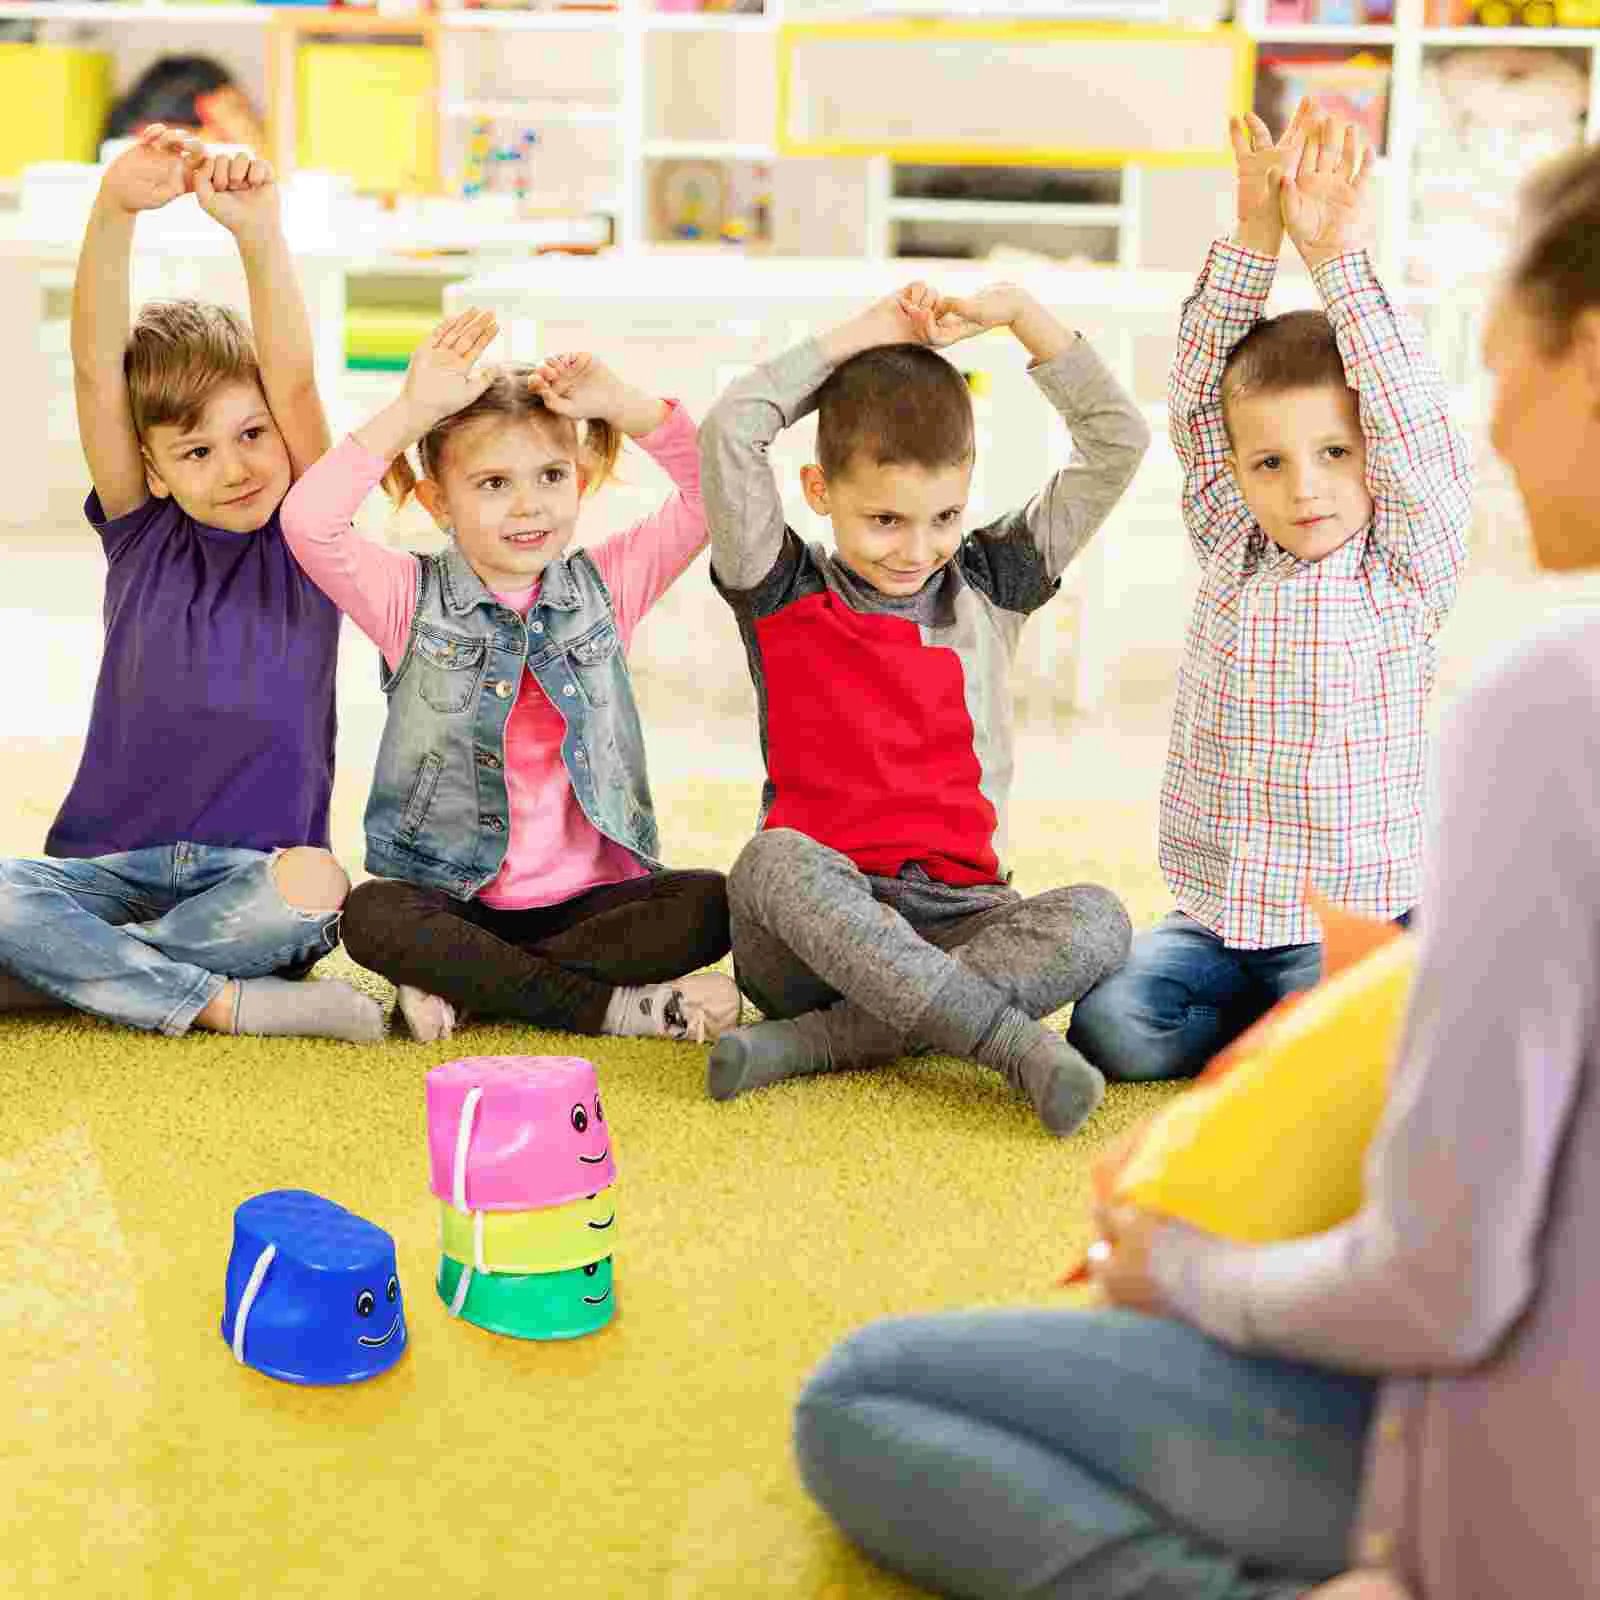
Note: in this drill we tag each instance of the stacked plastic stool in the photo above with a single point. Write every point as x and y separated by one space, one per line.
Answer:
522 1164
312 1293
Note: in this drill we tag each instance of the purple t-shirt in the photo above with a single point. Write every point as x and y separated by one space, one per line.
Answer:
213 716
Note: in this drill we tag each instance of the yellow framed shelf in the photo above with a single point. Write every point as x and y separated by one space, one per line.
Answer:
853 89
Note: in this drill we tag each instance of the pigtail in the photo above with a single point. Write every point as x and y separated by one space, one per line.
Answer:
399 480
599 447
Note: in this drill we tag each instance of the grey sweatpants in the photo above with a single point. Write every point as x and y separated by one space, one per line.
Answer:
907 963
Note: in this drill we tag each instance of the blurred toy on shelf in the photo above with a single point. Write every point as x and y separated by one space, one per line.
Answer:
1353 87
1486 117
690 199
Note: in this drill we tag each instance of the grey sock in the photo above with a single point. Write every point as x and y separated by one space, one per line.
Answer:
1062 1087
767 1052
319 1009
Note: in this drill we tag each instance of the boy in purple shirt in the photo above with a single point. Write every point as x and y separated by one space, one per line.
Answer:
190 863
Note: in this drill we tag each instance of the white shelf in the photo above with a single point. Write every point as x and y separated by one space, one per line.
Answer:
706 150
117 11
533 21
708 22
1521 38
563 111
1063 214
1318 33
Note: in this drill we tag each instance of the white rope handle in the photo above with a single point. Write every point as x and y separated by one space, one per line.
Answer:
462 1285
477 1242
469 1114
248 1299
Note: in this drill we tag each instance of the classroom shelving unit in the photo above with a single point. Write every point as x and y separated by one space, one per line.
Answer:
617 95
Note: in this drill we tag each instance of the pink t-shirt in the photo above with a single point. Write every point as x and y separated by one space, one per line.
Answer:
553 851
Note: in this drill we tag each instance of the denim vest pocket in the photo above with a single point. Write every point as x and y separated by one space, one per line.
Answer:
427 780
591 658
448 667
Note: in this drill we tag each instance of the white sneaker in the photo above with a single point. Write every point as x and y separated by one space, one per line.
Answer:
429 1017
707 1006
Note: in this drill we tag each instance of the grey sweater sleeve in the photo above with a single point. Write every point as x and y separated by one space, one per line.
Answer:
1444 1255
744 509
1109 440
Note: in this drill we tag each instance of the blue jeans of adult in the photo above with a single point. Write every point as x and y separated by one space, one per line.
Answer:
1103 1455
149 938
1181 997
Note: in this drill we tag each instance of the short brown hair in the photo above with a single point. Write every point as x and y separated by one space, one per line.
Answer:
897 405
1555 266
1294 351
510 399
178 355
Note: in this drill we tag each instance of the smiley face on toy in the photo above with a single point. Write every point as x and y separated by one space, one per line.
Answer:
600 1213
581 1125
593 1271
367 1303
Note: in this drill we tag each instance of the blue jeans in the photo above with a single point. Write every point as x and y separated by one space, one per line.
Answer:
149 937
1046 1454
1182 996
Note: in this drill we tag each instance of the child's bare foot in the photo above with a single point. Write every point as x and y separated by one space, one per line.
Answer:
700 1007
1370 1585
428 1017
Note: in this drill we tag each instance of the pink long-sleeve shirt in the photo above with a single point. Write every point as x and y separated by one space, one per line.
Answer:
553 851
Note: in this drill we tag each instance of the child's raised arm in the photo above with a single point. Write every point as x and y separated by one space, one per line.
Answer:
241 193
1109 434
743 508
376 587
143 178
1228 301
640 563
1419 467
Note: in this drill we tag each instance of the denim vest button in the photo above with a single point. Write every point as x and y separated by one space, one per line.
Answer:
581 759
535 627
487 758
567 689
503 689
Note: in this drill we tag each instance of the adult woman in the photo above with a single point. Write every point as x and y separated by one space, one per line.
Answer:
1126 1453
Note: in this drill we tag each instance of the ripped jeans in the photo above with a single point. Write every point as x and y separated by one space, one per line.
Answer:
149 938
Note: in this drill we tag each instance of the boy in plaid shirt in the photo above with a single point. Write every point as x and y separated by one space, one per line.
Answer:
1326 493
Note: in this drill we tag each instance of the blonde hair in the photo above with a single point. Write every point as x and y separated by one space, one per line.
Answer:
178 355
1556 265
509 399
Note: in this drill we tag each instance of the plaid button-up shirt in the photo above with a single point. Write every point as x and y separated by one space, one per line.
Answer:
1299 750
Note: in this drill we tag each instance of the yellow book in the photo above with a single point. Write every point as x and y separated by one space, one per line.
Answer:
53 104
367 111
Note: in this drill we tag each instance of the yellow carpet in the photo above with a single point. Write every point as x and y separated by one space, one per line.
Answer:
651 1459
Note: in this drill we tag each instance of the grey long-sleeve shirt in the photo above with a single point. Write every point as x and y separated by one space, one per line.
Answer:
1468 1278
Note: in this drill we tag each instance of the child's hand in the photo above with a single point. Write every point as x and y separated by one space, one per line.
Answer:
159 168
1326 207
440 380
580 387
240 192
1260 164
939 320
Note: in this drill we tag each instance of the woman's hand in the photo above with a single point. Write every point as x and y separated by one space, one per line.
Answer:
1119 1260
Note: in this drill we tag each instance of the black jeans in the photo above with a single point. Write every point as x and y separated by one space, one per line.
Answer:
551 965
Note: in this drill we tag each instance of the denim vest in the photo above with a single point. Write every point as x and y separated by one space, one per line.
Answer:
437 813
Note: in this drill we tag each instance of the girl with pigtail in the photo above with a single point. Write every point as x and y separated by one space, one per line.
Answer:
510 824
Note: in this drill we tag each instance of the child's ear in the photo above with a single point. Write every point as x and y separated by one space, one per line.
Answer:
815 486
1586 341
431 498
1233 467
153 479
